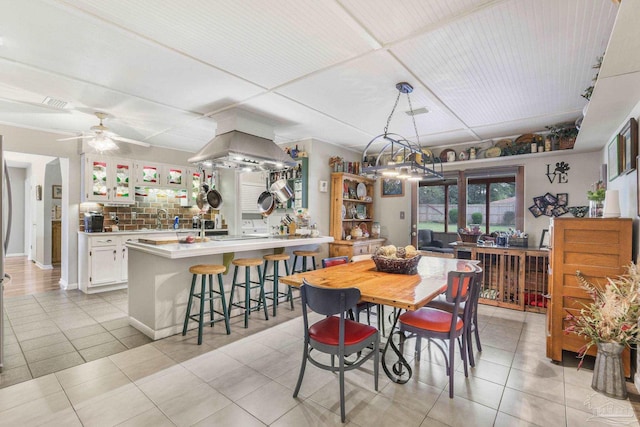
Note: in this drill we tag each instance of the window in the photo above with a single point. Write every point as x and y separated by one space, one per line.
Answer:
493 199
438 206
491 203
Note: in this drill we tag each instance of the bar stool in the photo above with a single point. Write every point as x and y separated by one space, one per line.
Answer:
276 294
206 270
247 263
304 255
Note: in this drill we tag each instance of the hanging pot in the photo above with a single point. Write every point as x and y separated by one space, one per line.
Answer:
281 190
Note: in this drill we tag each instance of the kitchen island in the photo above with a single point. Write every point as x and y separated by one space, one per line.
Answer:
159 277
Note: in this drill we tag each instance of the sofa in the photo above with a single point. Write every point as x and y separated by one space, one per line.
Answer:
428 242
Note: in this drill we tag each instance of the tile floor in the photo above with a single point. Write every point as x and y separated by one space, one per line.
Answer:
247 379
55 330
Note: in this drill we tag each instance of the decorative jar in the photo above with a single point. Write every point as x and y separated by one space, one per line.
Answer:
596 208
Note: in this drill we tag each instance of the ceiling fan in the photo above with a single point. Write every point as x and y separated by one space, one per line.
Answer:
102 139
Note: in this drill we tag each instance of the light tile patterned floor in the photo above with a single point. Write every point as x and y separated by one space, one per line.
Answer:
55 330
247 379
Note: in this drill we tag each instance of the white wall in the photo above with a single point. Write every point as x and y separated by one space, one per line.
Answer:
17 239
584 171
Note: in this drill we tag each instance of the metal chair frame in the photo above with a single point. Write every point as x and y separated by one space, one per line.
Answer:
331 302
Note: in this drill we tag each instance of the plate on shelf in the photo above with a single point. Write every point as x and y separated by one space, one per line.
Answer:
493 152
344 212
361 190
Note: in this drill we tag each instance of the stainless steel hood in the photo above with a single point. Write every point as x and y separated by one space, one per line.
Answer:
237 149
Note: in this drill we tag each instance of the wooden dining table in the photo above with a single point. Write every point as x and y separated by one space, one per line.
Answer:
402 291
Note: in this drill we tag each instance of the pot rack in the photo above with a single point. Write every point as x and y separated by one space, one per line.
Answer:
406 159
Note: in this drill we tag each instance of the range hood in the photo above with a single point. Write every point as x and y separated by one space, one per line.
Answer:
240 150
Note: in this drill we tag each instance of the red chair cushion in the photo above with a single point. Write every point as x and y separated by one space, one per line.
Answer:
326 331
429 319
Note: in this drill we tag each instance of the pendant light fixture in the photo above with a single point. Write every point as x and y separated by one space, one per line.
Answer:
400 157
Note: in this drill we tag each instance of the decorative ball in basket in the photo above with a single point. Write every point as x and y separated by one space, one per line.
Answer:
468 238
390 259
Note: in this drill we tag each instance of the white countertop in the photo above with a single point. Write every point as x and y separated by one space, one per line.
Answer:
212 247
150 231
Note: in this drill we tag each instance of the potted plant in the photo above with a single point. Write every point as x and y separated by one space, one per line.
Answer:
611 323
596 199
564 135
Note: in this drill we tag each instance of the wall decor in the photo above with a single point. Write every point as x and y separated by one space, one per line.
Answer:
390 187
544 239
614 153
550 205
559 173
56 191
628 138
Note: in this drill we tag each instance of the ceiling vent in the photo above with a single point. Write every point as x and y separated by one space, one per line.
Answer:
417 112
55 103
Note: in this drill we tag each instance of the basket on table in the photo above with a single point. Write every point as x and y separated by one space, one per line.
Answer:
397 265
468 238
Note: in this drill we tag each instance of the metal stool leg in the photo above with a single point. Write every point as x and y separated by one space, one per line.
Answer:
262 295
276 293
233 288
289 292
247 296
186 318
211 299
313 258
304 263
295 262
225 312
203 288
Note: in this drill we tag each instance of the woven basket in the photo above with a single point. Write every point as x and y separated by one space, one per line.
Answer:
469 238
397 265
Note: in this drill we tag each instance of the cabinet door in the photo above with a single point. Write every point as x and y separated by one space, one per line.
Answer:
361 249
175 177
121 175
124 258
96 184
148 174
105 265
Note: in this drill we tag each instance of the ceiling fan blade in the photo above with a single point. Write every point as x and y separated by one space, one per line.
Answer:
131 141
76 137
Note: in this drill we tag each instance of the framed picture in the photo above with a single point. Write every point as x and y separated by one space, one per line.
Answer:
56 191
563 199
535 210
628 138
544 239
540 202
550 199
613 158
391 187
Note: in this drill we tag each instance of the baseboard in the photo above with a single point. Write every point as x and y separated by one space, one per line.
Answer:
67 286
153 334
14 255
43 267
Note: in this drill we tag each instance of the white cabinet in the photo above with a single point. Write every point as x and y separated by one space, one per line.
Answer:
103 261
149 174
107 180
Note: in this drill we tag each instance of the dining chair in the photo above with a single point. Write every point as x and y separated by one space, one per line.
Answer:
336 260
336 335
469 313
434 324
367 306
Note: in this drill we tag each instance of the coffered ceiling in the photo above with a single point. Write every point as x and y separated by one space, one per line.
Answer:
167 72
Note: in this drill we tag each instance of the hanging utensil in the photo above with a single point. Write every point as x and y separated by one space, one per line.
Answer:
214 197
201 199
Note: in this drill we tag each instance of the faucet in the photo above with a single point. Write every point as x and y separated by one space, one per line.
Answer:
158 219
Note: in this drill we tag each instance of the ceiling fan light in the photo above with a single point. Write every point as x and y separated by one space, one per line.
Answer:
102 143
390 172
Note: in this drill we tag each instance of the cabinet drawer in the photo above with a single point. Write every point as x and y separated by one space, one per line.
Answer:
360 249
374 247
103 241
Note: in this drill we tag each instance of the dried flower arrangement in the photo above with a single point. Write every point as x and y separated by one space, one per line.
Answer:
613 314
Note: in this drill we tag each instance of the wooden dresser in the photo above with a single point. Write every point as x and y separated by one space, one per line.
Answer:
597 247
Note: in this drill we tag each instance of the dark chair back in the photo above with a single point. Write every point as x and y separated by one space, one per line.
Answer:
328 301
425 237
336 260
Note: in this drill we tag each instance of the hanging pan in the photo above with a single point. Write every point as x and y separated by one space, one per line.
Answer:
201 199
266 203
214 198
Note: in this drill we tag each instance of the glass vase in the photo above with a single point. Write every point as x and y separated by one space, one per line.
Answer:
596 208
